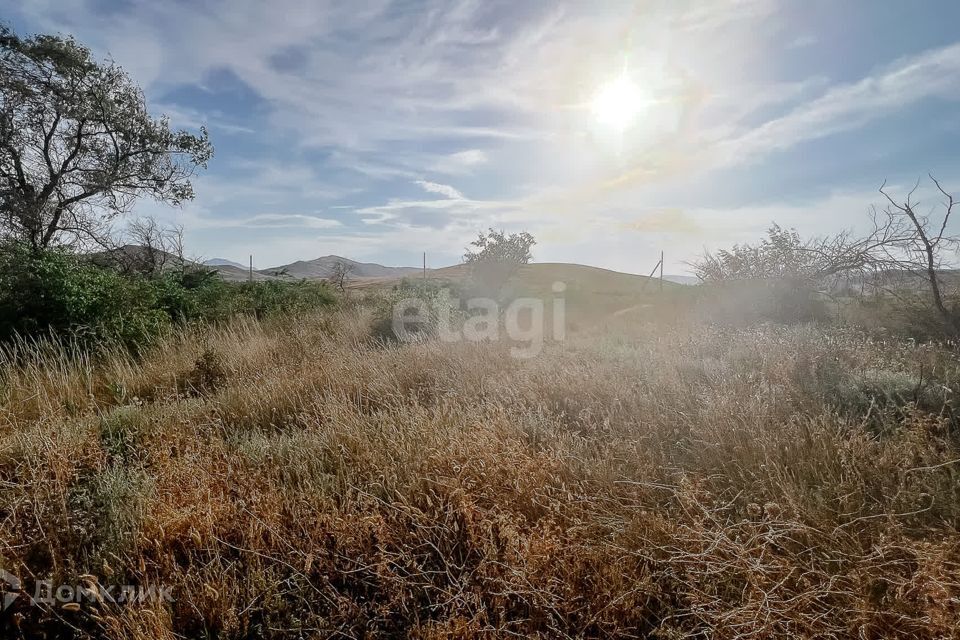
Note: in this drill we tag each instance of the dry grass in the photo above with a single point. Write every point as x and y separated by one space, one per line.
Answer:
303 480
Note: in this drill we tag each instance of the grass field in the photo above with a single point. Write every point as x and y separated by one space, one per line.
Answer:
592 296
301 479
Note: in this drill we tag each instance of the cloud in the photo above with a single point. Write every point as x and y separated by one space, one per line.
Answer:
664 221
351 104
848 106
281 221
185 117
449 213
442 189
200 218
718 14
460 162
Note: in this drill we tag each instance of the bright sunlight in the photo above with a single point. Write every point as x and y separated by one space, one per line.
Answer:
618 103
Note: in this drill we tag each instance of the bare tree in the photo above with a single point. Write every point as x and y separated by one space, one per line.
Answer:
903 251
340 274
918 245
151 248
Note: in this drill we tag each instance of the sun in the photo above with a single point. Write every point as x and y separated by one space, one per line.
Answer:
617 103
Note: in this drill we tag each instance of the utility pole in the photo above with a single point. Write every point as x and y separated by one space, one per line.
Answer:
251 267
661 271
424 266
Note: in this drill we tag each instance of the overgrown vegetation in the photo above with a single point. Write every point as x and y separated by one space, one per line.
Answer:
905 263
730 461
292 479
56 293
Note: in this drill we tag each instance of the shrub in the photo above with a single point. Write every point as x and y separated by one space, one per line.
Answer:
264 299
208 373
741 303
56 292
52 291
437 302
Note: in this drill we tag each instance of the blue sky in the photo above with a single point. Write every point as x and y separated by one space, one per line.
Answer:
381 129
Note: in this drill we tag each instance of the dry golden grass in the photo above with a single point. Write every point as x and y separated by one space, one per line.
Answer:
301 479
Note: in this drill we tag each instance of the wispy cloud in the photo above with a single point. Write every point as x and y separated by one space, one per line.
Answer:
442 189
335 111
184 117
280 221
461 162
847 106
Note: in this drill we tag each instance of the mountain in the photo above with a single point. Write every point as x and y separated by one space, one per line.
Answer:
223 262
323 268
231 273
133 257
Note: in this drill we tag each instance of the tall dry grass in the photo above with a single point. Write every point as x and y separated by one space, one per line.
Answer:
302 479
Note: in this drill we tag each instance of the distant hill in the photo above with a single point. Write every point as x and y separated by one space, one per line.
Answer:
223 262
321 268
540 276
591 293
132 257
231 273
603 288
138 258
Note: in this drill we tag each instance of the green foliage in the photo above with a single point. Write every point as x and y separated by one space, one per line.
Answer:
497 246
424 305
781 255
269 298
56 292
78 144
494 258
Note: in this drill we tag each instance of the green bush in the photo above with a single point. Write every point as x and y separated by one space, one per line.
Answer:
436 300
269 298
54 292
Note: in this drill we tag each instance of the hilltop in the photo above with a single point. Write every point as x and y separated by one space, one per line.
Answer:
590 290
323 267
223 262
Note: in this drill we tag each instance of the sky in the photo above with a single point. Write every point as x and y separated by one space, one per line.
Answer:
382 129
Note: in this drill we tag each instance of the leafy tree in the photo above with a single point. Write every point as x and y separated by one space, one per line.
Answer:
77 144
782 254
494 257
783 277
497 246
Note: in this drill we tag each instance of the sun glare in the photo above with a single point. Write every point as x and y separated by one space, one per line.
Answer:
618 103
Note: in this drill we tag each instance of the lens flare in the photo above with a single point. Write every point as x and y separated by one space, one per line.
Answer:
618 103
